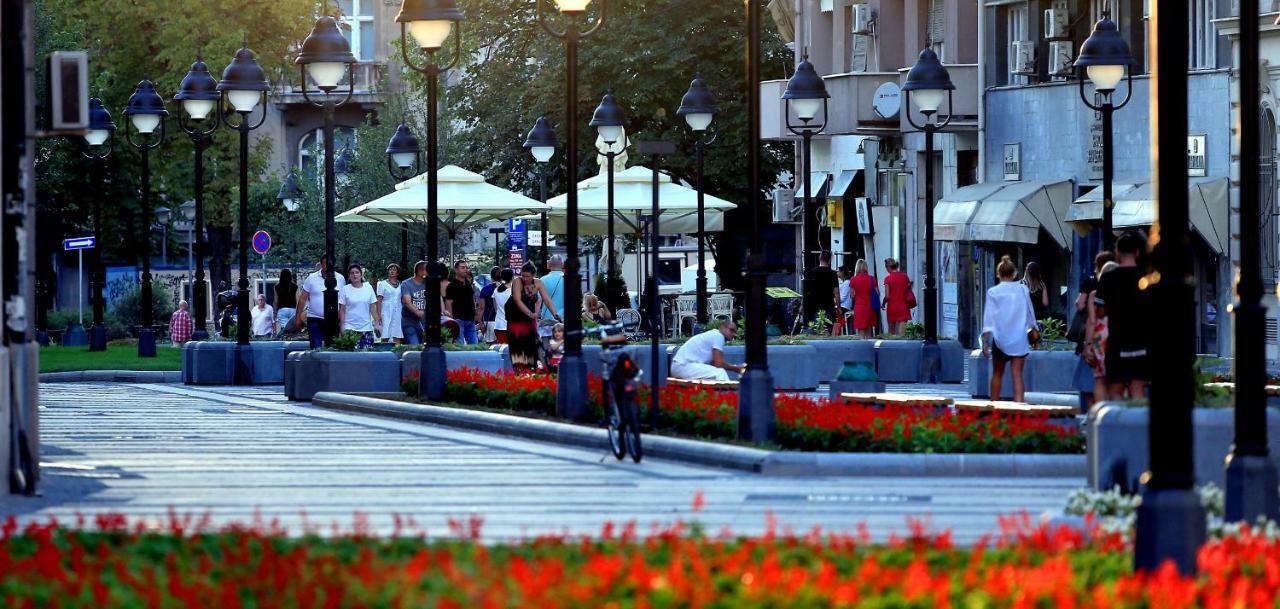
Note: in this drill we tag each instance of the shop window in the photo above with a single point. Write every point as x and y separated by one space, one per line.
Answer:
1203 46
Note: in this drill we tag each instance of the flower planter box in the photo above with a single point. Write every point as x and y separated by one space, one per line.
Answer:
1044 372
310 372
834 353
1118 444
494 360
899 361
214 363
792 366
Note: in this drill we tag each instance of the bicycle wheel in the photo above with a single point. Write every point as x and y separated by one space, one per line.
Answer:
633 432
617 432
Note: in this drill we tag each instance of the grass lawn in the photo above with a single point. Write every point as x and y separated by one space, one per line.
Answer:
116 357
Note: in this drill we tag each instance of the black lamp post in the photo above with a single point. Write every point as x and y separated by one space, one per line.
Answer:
431 22
928 85
1104 59
290 197
326 57
571 388
403 152
1251 474
100 141
199 96
699 109
245 87
542 143
806 94
146 113
609 119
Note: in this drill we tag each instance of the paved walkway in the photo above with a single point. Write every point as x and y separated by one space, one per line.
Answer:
141 449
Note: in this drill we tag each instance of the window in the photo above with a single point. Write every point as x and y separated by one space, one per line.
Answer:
357 26
1203 47
311 149
1016 29
936 29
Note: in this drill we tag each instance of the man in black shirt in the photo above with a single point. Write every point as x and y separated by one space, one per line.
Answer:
822 290
460 303
1126 308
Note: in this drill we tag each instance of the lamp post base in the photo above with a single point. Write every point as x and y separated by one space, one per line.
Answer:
571 388
434 373
756 419
244 365
930 362
98 338
1171 526
75 336
1251 489
200 335
147 342
42 338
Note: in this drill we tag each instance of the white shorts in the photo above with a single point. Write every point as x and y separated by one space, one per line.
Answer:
690 371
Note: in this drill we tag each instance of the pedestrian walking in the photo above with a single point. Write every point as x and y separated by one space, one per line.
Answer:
1126 308
181 326
899 297
413 305
358 308
554 283
861 287
1035 286
529 296
389 306
286 292
1088 378
460 303
311 302
822 291
263 317
501 295
1096 345
844 315
1007 319
486 312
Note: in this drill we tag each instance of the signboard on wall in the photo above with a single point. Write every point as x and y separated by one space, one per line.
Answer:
864 215
1012 162
1095 141
1197 157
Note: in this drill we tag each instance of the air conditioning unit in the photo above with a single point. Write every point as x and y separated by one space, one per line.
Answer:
862 19
1024 57
1061 57
1056 24
784 206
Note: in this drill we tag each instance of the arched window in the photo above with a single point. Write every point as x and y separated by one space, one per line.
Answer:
311 149
1269 243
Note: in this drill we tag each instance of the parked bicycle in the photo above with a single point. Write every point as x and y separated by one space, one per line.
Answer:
619 381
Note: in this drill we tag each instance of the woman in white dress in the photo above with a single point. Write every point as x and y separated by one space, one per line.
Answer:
389 292
500 297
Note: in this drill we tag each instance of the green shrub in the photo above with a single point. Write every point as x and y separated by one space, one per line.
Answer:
128 309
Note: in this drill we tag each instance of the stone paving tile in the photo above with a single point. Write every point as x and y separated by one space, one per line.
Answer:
245 452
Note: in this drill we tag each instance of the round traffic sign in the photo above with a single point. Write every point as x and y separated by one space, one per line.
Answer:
261 242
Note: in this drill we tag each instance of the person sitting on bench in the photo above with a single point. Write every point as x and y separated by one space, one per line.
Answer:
702 357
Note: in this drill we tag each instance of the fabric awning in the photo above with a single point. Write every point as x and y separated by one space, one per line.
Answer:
818 184
1012 212
1209 210
840 187
1087 209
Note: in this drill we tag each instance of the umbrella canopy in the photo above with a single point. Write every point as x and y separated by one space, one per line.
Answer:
633 198
465 199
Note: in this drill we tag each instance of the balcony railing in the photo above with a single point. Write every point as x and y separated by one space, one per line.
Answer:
367 77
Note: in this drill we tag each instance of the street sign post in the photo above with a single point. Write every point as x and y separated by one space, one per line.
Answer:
517 241
262 245
79 245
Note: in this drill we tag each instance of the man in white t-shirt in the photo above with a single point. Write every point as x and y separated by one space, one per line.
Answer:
702 357
311 303
263 315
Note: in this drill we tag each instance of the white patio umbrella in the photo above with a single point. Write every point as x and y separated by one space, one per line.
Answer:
465 199
633 198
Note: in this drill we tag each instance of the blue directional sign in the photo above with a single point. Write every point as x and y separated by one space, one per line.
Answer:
517 240
79 243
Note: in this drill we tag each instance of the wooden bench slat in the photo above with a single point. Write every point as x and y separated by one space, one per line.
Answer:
895 399
703 383
1015 408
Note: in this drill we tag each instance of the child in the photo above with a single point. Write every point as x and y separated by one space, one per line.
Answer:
555 347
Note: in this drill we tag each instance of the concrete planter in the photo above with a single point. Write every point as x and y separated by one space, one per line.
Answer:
899 361
792 366
834 353
310 372
1118 444
213 363
494 361
641 355
1044 372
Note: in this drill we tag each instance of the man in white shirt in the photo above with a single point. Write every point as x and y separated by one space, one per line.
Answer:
264 322
702 357
311 302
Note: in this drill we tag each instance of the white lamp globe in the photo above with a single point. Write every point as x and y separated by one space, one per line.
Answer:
543 154
96 137
927 101
198 109
326 74
431 34
244 101
404 160
806 109
1105 78
145 123
611 133
572 6
699 121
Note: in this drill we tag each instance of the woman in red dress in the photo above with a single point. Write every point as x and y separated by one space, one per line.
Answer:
864 315
898 298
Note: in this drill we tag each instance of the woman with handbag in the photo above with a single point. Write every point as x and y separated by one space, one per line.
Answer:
1083 324
862 285
899 299
1008 328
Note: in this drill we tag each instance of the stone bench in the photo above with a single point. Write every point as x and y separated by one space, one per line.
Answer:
703 384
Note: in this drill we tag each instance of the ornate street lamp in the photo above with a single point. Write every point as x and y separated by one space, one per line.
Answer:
1104 59
430 22
571 387
188 211
326 57
542 144
699 109
146 113
100 145
245 87
199 96
928 85
290 197
806 95
163 216
610 120
404 152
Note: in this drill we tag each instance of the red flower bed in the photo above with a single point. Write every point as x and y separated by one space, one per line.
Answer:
1027 566
803 423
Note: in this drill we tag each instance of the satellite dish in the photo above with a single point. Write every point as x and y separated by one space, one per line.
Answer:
887 100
